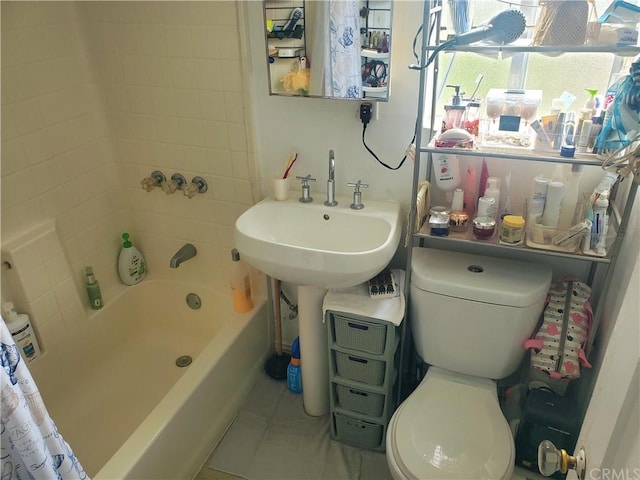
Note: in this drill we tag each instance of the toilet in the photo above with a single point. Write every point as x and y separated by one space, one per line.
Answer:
469 316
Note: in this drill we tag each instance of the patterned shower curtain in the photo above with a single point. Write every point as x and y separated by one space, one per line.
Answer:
343 73
31 447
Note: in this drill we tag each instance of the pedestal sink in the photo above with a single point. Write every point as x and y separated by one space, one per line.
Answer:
318 247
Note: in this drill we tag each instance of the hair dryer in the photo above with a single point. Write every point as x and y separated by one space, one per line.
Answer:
504 27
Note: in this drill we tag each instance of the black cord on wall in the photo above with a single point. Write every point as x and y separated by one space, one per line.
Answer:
365 117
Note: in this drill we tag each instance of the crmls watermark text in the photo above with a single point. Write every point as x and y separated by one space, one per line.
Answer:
613 474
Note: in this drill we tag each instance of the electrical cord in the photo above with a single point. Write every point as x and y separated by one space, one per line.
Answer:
617 160
364 129
366 117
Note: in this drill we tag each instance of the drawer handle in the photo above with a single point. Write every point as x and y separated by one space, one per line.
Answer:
357 425
357 326
357 392
359 360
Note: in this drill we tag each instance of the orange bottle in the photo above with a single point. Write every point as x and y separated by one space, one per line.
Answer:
240 284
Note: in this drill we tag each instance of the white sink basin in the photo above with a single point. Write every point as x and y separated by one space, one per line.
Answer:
311 244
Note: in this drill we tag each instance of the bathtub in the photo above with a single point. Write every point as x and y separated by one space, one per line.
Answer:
120 401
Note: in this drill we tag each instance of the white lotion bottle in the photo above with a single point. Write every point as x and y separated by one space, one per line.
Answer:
131 265
570 200
551 214
447 173
22 332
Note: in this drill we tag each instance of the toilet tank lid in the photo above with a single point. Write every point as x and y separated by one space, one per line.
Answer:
478 278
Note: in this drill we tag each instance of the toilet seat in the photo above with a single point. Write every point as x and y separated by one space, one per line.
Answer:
451 427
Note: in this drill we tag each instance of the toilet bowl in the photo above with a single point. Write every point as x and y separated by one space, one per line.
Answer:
450 427
469 317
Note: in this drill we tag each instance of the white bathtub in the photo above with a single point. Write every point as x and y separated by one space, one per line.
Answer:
121 402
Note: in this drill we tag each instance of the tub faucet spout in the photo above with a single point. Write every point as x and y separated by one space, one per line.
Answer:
331 182
185 253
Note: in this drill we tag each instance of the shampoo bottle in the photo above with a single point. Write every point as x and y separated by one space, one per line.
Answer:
93 290
22 332
131 265
240 284
294 375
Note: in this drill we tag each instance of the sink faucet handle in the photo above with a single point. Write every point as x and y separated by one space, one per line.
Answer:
306 197
357 194
306 180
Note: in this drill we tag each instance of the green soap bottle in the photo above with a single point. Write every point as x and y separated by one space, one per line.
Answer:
131 265
93 290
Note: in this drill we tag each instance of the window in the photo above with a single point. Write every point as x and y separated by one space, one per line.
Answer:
571 72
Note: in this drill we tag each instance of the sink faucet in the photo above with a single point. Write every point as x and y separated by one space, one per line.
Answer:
185 253
331 182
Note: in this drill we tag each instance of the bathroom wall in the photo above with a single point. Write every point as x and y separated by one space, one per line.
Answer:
57 162
95 96
173 89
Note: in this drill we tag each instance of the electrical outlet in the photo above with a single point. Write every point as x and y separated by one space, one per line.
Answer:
366 112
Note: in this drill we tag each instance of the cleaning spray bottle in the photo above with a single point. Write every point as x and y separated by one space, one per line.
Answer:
240 284
294 375
131 265
20 327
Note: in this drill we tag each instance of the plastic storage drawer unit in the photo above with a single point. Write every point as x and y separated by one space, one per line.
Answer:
360 335
360 369
359 400
358 432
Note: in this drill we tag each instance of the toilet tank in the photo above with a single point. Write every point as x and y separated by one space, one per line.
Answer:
470 313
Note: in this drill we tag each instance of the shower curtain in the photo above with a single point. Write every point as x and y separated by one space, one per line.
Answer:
343 73
30 447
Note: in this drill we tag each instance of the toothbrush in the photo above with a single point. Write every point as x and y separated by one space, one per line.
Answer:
286 172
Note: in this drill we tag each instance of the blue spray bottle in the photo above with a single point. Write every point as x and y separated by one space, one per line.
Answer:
294 375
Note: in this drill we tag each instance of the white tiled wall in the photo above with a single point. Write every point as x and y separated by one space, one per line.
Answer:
174 95
97 95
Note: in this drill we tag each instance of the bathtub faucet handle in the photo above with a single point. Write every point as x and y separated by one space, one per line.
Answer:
197 185
176 183
156 179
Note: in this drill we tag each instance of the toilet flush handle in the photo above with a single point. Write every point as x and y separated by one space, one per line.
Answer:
552 460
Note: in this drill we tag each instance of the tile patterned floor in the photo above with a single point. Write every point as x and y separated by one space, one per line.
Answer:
263 426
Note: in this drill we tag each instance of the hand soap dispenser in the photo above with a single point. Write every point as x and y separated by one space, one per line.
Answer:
454 111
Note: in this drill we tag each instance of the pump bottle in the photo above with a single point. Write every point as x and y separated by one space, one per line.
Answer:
131 265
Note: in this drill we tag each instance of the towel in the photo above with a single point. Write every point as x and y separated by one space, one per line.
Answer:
423 200
356 300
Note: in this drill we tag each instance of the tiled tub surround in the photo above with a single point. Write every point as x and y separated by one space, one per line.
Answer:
95 95
118 397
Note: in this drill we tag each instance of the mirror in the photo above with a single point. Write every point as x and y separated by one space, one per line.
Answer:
329 48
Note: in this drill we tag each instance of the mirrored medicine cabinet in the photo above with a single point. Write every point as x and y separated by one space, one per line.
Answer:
329 49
